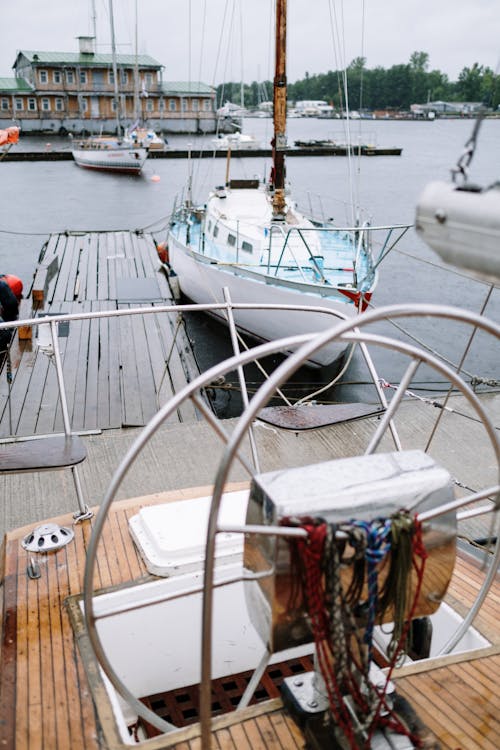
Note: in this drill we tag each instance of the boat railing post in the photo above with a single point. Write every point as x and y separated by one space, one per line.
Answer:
241 374
316 265
83 512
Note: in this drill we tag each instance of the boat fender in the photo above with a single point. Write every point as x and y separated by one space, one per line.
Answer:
15 284
162 250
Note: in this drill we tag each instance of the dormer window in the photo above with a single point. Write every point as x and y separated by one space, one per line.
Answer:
44 76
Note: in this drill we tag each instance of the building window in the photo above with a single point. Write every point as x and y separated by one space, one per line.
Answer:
124 76
149 79
246 246
172 105
111 77
18 103
70 76
206 105
44 76
196 105
83 76
32 104
5 103
84 105
184 105
231 240
149 105
56 76
45 104
161 105
59 104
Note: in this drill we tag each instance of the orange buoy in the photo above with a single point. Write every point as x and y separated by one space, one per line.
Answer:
162 249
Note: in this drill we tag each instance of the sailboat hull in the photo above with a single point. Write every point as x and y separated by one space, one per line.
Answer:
204 282
125 160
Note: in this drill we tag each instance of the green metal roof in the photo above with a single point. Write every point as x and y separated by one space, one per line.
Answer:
186 87
77 58
15 85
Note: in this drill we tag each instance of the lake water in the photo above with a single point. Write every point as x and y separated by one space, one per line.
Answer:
43 197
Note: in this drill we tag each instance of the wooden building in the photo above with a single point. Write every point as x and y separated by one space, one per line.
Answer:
61 92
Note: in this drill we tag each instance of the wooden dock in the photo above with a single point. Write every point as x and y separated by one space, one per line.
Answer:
117 371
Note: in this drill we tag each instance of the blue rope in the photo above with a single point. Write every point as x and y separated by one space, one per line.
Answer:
378 544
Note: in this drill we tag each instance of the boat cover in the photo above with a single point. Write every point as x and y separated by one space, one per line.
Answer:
9 135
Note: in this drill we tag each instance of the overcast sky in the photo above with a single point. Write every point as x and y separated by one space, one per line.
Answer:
455 33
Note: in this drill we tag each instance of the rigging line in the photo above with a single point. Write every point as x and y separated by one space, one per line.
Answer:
202 46
219 50
335 380
190 34
437 404
346 122
421 343
441 268
459 368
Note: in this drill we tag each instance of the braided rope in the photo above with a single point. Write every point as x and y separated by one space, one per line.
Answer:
343 651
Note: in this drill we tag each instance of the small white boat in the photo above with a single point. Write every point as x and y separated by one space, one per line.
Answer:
110 154
237 142
114 153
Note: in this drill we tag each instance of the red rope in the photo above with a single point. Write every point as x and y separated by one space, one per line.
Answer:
308 556
311 554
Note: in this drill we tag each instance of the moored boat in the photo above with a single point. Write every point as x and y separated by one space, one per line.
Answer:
251 239
110 154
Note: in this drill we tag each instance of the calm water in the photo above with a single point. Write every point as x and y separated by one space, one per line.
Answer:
43 197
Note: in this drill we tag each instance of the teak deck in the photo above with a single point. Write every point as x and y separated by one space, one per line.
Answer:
45 689
116 370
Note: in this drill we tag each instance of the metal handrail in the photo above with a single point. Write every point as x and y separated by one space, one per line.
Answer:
262 397
347 331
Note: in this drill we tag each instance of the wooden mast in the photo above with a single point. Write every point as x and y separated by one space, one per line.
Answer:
279 113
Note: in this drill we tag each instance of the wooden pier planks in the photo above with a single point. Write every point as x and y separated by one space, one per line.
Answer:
115 370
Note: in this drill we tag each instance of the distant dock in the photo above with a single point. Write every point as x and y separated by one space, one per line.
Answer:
207 153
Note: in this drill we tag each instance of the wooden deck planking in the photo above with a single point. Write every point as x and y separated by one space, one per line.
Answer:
103 278
105 387
458 701
66 262
71 366
33 398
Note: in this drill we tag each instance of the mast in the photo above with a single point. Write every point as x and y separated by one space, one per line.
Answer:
116 96
136 67
279 113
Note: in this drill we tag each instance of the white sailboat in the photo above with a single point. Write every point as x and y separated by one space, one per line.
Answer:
251 238
111 153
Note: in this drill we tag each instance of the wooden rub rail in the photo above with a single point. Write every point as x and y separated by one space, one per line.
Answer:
116 370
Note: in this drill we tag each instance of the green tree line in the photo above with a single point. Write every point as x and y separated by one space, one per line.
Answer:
396 87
